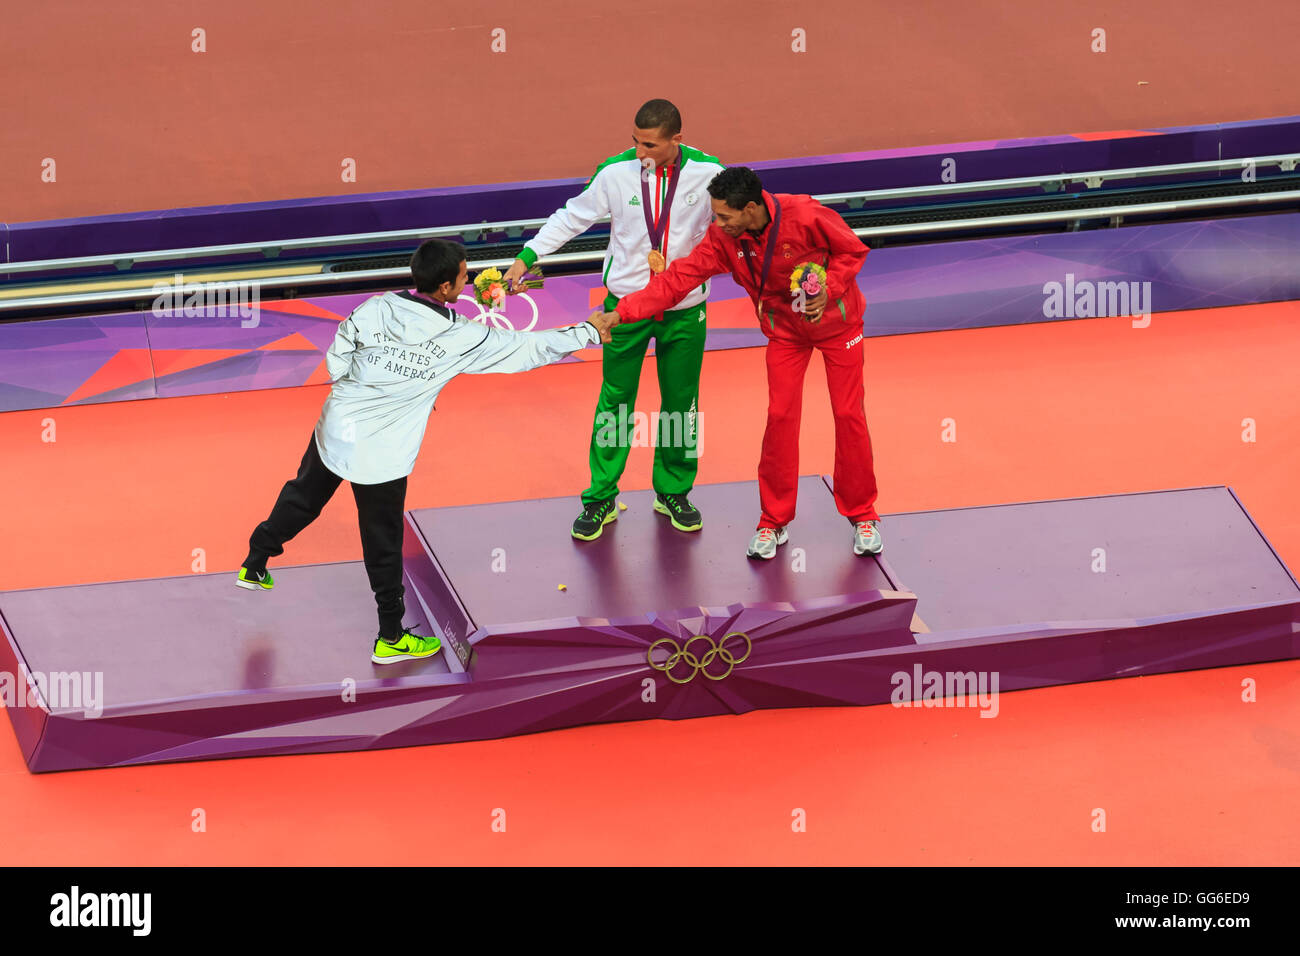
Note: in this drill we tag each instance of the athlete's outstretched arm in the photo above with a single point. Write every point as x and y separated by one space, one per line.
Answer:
668 287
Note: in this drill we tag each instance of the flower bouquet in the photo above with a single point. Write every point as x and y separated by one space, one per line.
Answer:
490 286
807 281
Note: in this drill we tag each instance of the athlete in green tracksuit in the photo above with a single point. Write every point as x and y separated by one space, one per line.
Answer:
656 195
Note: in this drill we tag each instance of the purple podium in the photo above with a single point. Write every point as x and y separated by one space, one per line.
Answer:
540 631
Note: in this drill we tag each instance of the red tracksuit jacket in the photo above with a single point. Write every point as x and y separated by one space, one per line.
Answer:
809 232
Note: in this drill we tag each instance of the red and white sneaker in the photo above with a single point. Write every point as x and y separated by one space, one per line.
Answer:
867 539
765 541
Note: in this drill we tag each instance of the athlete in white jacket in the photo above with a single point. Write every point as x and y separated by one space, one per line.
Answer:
389 360
656 197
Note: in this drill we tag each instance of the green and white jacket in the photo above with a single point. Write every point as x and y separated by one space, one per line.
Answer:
615 191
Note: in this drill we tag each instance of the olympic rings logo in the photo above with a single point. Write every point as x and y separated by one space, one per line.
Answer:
498 318
699 665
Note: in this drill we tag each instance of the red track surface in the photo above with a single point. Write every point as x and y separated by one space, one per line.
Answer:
1187 772
414 94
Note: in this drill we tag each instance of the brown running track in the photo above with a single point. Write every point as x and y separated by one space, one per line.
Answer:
413 92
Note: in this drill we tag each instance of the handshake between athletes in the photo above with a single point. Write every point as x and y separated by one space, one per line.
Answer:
604 322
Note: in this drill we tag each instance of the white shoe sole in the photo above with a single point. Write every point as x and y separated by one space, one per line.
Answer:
401 657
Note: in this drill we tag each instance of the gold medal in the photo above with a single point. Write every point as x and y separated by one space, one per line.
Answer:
657 261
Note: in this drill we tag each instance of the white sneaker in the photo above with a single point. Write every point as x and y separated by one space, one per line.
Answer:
764 543
867 539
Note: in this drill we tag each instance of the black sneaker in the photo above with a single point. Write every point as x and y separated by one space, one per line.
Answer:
588 525
684 515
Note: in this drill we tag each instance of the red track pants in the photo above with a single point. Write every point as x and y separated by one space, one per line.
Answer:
788 351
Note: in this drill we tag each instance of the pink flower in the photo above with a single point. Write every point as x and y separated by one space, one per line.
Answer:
811 284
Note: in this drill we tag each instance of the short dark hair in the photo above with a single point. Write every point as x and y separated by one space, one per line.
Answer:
737 186
435 262
661 115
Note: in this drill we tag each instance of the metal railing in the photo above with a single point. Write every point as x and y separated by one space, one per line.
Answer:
1286 162
1095 212
273 248
268 250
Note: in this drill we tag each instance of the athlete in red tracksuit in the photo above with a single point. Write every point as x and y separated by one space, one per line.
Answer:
741 241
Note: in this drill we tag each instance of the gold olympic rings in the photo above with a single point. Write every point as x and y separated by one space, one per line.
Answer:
683 655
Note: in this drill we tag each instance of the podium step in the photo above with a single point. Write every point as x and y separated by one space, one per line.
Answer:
651 623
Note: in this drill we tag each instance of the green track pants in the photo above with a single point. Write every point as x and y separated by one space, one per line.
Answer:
679 353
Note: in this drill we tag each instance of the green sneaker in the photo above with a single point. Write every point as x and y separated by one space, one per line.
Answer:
254 581
588 525
684 515
408 647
